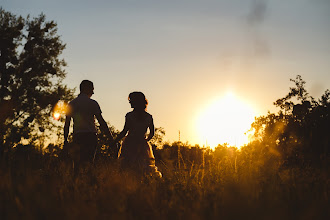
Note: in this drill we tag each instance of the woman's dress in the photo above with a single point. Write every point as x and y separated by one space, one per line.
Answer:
136 153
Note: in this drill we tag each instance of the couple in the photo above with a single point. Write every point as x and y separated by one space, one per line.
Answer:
135 154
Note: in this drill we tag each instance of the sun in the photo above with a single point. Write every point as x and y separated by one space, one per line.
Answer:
226 120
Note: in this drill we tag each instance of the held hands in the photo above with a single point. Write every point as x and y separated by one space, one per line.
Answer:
112 143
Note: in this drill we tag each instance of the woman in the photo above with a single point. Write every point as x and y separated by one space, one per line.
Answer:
136 153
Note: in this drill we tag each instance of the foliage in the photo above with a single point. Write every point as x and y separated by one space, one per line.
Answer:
299 132
158 138
31 73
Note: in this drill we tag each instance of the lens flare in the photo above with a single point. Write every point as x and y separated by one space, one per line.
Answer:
56 116
59 109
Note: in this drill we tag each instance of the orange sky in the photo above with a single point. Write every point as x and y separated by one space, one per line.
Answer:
185 54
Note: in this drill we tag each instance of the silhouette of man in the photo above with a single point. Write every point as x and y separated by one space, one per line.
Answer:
83 110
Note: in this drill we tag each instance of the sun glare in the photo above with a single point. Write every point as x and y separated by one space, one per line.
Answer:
56 116
59 109
226 120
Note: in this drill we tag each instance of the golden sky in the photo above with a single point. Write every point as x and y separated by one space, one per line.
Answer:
187 55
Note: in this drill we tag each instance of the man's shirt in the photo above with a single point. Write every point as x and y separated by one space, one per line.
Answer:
83 109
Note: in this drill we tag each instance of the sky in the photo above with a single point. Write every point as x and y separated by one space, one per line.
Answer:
187 54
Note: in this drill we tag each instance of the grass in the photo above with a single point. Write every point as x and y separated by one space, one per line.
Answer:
43 187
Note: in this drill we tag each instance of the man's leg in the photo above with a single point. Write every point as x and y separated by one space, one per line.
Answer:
88 147
85 143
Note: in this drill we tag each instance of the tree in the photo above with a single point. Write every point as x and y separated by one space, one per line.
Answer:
31 75
300 131
157 139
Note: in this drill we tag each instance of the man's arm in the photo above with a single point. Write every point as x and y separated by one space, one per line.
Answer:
104 127
66 128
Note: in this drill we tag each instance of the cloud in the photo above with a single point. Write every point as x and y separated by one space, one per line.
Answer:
257 13
254 20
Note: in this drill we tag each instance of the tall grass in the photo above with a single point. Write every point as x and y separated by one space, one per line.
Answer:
230 186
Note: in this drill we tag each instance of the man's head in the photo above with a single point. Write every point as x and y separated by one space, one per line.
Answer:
87 87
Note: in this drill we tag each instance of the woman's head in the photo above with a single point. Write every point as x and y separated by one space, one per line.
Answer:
138 100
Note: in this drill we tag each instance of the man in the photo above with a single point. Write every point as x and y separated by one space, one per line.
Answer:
83 110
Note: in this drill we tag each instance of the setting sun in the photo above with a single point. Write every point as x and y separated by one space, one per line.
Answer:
226 120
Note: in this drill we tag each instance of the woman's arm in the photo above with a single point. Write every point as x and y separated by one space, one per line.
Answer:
152 130
123 132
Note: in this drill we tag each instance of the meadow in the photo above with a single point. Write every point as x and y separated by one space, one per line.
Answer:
283 173
197 183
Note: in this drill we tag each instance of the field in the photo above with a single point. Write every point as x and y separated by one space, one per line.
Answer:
283 173
197 183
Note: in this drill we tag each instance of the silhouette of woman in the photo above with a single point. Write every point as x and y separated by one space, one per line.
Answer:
136 153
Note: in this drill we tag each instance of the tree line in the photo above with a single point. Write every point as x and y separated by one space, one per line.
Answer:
32 71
